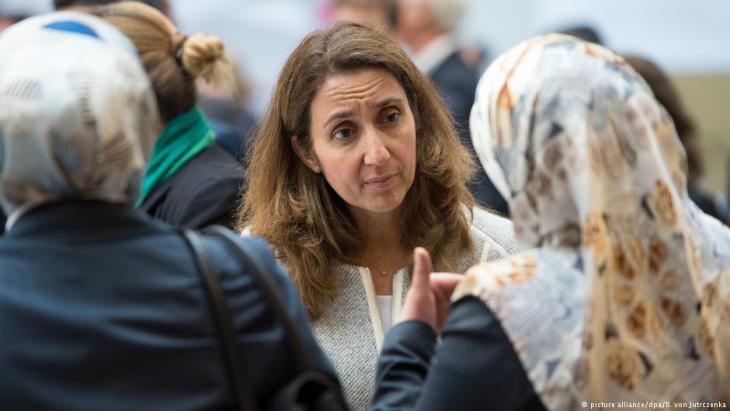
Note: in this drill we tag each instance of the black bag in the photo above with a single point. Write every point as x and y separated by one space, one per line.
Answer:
310 389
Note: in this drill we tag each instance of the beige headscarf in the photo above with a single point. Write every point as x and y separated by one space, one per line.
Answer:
78 115
624 293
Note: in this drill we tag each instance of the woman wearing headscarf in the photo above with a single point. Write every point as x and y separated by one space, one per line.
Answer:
623 293
190 180
101 307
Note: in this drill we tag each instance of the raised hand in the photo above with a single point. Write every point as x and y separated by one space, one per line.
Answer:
428 299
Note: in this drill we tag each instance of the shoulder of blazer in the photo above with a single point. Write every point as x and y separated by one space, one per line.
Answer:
495 229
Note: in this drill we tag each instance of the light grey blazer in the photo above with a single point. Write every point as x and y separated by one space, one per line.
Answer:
350 331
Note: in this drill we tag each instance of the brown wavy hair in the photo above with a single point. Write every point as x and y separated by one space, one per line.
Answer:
296 210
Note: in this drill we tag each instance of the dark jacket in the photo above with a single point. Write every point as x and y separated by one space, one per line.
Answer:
229 139
101 308
204 191
457 83
234 126
473 368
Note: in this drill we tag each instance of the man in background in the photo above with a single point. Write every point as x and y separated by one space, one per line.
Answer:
426 28
379 14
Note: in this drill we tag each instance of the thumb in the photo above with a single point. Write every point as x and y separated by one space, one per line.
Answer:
421 269
419 304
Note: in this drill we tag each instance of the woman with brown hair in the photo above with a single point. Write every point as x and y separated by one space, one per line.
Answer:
356 163
190 181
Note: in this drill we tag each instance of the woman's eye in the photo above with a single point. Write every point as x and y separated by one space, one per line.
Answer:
342 133
392 117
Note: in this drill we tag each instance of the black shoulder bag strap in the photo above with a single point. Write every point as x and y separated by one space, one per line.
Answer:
311 389
242 390
269 288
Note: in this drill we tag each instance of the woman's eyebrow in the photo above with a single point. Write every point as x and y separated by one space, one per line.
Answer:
348 113
387 102
338 116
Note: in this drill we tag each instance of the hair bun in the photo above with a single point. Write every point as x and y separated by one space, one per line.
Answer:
203 56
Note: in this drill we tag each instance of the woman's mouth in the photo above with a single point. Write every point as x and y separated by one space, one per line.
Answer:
380 182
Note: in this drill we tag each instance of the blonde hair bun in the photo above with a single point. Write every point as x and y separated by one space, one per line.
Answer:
203 56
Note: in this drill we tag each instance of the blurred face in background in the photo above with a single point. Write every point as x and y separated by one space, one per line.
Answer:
4 23
414 16
367 15
8 19
363 139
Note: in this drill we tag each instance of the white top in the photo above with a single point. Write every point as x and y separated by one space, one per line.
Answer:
385 304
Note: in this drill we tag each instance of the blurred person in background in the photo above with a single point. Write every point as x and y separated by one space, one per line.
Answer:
226 107
667 95
13 11
475 56
378 14
426 27
102 307
623 290
190 180
84 5
356 162
584 32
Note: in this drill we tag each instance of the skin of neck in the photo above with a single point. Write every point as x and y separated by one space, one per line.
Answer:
380 249
380 239
378 231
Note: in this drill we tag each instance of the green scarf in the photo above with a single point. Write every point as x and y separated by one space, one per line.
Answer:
183 137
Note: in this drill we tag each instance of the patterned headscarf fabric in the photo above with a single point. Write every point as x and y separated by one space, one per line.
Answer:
623 293
78 116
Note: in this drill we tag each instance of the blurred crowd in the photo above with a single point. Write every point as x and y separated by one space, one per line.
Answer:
411 223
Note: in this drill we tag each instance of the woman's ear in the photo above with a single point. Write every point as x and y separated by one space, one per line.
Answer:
308 158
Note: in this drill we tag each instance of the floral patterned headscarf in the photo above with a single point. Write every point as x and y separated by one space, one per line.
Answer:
78 116
624 291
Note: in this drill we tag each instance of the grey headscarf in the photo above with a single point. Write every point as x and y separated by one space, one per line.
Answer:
78 116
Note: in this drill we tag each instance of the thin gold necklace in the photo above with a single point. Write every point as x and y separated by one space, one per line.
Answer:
374 269
381 273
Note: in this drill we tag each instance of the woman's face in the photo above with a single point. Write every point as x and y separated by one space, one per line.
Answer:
363 139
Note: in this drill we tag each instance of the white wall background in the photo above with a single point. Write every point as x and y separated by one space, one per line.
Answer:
683 36
259 33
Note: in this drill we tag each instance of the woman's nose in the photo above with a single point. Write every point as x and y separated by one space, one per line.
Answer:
376 153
